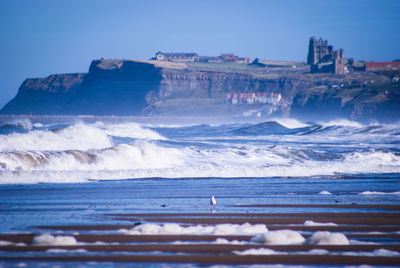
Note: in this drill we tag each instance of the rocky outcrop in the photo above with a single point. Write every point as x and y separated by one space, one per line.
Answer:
378 102
114 88
44 95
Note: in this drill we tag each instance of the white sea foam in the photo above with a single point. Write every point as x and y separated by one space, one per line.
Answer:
316 251
376 253
290 123
259 251
223 241
78 136
131 130
378 193
176 229
358 242
312 223
143 159
83 152
342 123
24 123
140 155
280 237
325 192
328 238
58 250
50 240
5 243
8 243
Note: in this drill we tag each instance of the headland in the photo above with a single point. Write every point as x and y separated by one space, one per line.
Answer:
327 86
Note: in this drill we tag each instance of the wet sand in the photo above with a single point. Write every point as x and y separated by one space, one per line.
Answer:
378 230
370 206
224 259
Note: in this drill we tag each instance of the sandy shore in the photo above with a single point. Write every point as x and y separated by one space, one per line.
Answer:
370 206
282 219
225 259
195 248
366 226
123 238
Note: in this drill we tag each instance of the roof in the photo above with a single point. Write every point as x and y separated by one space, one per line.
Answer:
382 64
179 55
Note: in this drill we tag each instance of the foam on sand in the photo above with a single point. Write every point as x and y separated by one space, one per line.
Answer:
280 237
8 243
328 238
176 229
378 193
258 251
50 240
325 192
223 241
316 251
58 250
312 223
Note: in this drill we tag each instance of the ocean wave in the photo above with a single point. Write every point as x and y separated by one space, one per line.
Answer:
341 123
145 159
334 129
272 128
140 155
16 126
129 130
104 151
79 136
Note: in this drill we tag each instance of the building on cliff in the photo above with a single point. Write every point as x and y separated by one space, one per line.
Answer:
193 57
225 58
323 59
177 57
382 66
253 98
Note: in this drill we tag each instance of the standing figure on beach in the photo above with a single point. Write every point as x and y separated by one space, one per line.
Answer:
213 203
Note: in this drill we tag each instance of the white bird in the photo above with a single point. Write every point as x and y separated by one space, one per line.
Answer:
213 202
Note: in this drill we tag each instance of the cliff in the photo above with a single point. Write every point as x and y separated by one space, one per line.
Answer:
373 102
44 95
128 87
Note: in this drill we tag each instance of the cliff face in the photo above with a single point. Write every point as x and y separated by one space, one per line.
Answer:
114 88
44 95
207 84
124 87
381 103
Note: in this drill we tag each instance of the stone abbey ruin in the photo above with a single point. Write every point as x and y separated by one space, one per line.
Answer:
323 59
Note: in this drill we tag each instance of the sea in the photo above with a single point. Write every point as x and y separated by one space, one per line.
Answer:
73 170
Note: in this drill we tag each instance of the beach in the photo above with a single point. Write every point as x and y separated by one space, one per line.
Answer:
114 193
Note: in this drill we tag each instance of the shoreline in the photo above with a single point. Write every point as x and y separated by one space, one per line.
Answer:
224 259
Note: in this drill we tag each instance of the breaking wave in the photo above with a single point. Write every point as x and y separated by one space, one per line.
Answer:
77 136
100 151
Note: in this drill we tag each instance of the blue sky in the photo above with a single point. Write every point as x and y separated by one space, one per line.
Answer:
43 37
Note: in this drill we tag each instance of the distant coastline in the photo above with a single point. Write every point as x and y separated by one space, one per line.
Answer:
327 86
